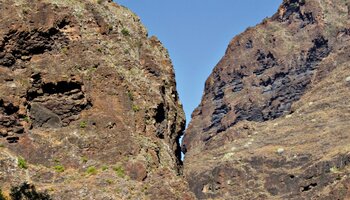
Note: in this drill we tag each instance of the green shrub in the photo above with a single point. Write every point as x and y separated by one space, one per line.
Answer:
104 168
22 163
59 168
119 171
125 32
26 118
83 124
27 192
135 108
64 50
91 170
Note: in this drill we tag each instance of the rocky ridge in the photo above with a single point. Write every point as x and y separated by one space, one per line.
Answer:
88 103
274 119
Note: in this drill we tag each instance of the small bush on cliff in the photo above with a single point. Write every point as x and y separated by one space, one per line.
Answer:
119 171
135 108
125 32
83 124
64 50
26 118
91 170
22 163
26 191
59 168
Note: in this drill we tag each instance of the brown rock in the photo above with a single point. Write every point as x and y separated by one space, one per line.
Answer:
280 85
136 170
83 89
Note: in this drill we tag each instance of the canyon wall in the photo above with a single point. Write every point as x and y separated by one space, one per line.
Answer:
88 103
273 122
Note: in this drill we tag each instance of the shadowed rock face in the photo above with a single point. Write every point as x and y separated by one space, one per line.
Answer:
89 101
273 121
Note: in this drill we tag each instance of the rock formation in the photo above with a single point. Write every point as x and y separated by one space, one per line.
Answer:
89 107
88 103
274 119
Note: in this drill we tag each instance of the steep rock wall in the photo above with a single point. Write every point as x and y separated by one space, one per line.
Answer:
88 103
274 119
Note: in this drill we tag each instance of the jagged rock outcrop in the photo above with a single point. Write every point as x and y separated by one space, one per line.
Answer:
274 119
88 103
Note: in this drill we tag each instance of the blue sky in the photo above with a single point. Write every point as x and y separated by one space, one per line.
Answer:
196 33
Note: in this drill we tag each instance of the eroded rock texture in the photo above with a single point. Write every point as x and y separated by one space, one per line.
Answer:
274 119
88 101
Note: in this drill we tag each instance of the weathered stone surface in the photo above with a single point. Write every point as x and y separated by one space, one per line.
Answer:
43 117
136 170
273 121
89 101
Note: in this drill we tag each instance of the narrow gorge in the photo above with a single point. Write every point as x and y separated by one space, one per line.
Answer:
89 107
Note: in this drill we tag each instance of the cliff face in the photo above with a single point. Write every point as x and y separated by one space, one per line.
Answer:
88 103
274 119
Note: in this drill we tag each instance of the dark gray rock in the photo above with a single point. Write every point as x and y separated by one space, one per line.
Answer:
43 117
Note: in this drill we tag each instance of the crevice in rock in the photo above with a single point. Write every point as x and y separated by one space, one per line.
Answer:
160 113
179 151
237 80
10 122
249 44
12 140
265 61
56 104
21 45
308 187
219 92
160 116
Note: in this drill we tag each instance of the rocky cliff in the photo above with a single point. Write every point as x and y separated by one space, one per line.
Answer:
88 103
274 119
